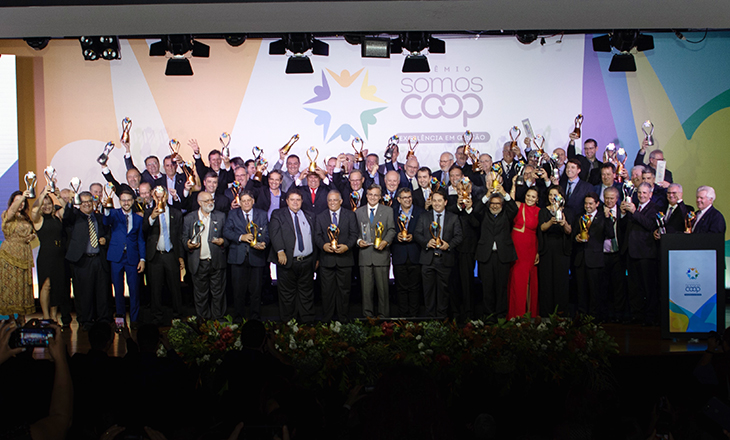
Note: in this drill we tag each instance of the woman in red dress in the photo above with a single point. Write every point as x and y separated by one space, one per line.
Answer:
523 274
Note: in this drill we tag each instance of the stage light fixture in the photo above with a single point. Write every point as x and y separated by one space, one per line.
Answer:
413 44
179 47
623 41
106 47
235 40
375 48
526 37
298 47
38 43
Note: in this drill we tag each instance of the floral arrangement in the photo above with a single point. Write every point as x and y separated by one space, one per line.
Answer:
337 354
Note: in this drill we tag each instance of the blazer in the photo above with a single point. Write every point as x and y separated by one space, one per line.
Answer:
451 233
404 180
418 198
235 226
320 199
469 221
402 251
224 176
639 160
179 188
388 166
349 233
574 204
590 253
369 256
675 223
77 231
283 236
592 176
496 230
711 222
132 241
217 253
262 194
146 176
152 232
638 234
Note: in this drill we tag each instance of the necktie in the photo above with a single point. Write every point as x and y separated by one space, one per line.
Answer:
129 223
372 215
669 213
165 232
93 239
570 189
300 237
438 220
614 240
334 218
314 194
247 219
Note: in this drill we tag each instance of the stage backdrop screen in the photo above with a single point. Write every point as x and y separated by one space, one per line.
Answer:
692 291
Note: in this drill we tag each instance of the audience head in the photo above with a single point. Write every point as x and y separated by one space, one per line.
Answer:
705 197
455 174
445 161
392 180
133 178
247 200
495 202
644 192
292 165
152 163
313 180
507 154
23 205
648 176
241 176
655 156
237 162
439 199
561 156
371 160
572 168
531 196
47 205
331 164
636 173
126 199
554 191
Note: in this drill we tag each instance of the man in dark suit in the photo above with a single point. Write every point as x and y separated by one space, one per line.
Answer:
353 184
639 223
237 187
336 262
709 220
421 195
590 166
445 161
372 173
293 251
164 255
495 251
247 261
174 182
133 180
216 160
509 165
406 254
87 244
126 254
654 157
269 196
588 259
207 257
658 194
407 172
574 188
608 180
394 165
210 186
677 210
151 173
438 253
374 261
614 265
392 180
314 192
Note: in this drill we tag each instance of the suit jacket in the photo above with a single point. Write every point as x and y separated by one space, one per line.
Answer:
451 234
179 188
132 241
283 236
369 256
438 173
235 226
320 199
224 176
146 176
388 166
590 253
77 231
508 175
496 230
418 198
286 180
574 204
407 251
262 194
349 233
119 187
639 160
217 253
675 223
404 180
711 222
618 186
638 234
153 232
469 221
590 175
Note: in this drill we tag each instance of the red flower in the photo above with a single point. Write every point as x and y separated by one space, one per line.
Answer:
560 331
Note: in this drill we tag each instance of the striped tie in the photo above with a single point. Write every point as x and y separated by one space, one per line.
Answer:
93 239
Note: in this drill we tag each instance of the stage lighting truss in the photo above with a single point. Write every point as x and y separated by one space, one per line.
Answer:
623 41
298 48
104 47
415 46
178 49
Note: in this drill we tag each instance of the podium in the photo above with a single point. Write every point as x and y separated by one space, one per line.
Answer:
692 285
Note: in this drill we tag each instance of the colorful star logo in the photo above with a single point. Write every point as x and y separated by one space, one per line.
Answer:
692 273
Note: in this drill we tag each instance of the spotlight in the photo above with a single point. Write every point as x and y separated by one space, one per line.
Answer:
526 37
414 43
623 41
416 64
235 40
38 43
622 62
375 48
106 47
179 46
297 47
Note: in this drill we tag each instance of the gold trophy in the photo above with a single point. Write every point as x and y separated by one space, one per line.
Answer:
412 144
585 224
174 149
189 172
96 203
390 149
50 174
514 134
467 137
287 147
104 157
387 200
621 157
126 128
253 229
75 185
357 145
354 200
30 181
333 232
260 163
313 162
463 191
109 194
225 140
578 123
436 233
161 199
403 223
379 231
649 134
495 173
236 190
689 222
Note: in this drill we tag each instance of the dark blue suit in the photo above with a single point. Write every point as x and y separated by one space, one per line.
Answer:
247 263
406 266
574 203
124 253
711 222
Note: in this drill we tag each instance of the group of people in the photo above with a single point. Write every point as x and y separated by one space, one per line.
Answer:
546 232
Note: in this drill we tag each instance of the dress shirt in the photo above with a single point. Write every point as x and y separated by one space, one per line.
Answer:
306 234
275 202
204 245
439 218
164 216
170 186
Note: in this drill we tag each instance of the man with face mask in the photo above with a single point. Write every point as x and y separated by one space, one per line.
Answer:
206 257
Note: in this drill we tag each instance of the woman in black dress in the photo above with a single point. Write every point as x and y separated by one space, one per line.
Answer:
554 247
46 215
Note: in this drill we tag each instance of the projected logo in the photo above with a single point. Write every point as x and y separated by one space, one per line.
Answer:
692 273
345 105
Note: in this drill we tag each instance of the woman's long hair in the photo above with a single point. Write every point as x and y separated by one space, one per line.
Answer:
23 211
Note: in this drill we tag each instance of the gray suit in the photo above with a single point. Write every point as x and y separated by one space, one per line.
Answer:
286 179
373 263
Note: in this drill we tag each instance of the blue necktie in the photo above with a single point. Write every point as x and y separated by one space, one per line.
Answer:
570 189
165 233
372 215
334 219
300 237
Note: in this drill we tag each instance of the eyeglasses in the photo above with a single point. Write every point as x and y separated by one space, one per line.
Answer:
87 202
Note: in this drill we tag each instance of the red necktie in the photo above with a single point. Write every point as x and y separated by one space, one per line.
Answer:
313 194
